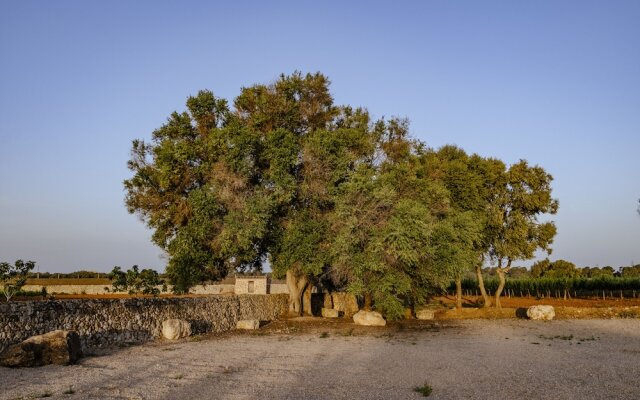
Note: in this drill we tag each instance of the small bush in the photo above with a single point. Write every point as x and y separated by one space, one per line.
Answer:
423 390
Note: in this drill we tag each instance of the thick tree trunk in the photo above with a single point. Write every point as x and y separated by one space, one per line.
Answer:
485 296
459 293
296 284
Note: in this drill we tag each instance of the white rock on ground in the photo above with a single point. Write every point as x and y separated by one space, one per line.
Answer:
330 313
546 313
369 318
425 313
248 324
173 329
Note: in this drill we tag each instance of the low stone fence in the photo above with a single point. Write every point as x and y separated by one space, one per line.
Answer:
111 322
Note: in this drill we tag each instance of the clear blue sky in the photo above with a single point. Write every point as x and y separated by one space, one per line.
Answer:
553 82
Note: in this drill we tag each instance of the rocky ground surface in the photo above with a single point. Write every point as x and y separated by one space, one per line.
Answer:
313 358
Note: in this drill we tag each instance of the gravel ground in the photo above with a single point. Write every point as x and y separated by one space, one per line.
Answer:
475 359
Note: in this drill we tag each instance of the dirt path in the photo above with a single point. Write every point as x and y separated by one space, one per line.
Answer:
476 359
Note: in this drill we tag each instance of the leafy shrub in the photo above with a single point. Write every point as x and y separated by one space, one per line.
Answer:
14 277
135 281
424 390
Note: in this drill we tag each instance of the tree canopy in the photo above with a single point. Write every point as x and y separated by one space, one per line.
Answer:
14 276
326 193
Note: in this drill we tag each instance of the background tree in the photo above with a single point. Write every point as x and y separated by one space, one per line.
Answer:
493 177
595 272
397 239
466 184
14 277
540 268
135 281
630 272
516 232
562 269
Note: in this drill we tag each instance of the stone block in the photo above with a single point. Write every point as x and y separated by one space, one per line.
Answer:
425 314
330 313
174 329
248 324
56 347
369 318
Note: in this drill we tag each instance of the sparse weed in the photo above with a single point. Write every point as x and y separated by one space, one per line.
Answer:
46 393
226 369
561 337
69 391
424 390
627 314
178 376
324 335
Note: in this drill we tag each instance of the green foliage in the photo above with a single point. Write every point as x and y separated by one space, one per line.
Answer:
515 232
596 272
14 277
630 272
555 269
135 281
424 390
322 190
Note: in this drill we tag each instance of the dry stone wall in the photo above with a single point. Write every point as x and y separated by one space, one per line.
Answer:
111 322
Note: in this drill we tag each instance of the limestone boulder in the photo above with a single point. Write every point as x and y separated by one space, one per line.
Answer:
369 318
345 303
248 324
330 313
544 313
56 347
425 314
174 329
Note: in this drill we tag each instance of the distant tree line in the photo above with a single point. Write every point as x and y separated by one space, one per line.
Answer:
566 269
82 274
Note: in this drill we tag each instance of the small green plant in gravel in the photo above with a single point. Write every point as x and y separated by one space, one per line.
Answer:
178 376
424 390
69 391
46 393
324 335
